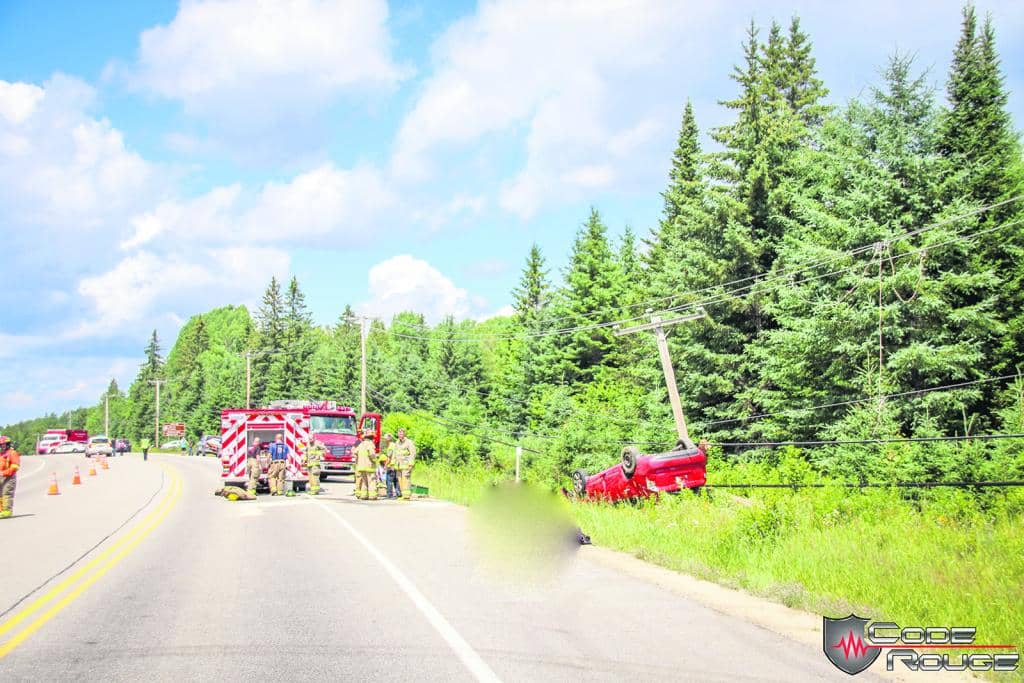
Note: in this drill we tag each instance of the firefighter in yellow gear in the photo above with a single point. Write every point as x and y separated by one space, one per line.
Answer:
314 456
403 459
10 463
365 454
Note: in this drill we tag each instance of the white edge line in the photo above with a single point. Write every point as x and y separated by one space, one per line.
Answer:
42 466
472 661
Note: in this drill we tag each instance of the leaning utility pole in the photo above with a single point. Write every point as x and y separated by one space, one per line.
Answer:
659 325
362 365
156 430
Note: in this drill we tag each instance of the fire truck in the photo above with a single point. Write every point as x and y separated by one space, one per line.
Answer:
55 437
300 423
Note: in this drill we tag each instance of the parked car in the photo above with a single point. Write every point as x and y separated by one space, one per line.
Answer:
122 446
68 447
209 444
176 445
99 445
639 475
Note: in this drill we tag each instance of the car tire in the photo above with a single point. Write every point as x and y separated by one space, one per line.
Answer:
579 483
630 456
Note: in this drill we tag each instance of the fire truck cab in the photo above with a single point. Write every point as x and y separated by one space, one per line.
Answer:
299 423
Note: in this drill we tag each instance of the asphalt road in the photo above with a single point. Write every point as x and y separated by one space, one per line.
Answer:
141 573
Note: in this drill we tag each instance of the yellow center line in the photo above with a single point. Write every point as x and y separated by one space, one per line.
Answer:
129 542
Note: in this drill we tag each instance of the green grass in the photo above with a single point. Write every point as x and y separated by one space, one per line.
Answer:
946 558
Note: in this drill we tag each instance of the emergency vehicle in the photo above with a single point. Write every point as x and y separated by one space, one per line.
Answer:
54 437
300 423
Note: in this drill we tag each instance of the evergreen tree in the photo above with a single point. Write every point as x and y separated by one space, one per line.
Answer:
588 299
288 374
531 297
269 342
682 196
141 395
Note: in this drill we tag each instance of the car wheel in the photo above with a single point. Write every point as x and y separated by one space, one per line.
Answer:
579 483
630 455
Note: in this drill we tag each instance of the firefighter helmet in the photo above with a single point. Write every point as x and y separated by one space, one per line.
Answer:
5 441
368 435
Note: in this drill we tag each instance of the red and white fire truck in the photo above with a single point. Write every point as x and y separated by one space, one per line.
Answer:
55 437
300 423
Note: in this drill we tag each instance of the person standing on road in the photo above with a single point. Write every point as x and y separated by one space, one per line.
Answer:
144 445
10 463
314 456
365 452
278 465
404 458
252 465
387 447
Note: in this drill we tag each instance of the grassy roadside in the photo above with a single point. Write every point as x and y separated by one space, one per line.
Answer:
945 558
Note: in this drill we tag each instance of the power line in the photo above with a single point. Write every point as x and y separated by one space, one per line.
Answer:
838 404
846 442
851 252
729 295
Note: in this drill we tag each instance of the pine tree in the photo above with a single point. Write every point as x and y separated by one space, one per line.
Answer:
269 341
588 299
803 89
531 297
288 373
142 418
682 196
985 164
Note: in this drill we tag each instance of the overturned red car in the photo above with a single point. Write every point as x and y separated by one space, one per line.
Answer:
640 475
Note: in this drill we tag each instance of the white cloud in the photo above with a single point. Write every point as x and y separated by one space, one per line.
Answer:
405 283
326 200
262 70
19 100
61 167
143 283
561 71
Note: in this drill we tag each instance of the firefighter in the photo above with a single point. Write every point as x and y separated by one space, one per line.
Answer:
252 465
278 465
314 456
388 449
10 462
365 452
404 457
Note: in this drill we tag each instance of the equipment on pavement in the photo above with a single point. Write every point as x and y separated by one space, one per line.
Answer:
77 479
234 493
53 491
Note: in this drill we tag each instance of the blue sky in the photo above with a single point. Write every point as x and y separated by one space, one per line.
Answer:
158 159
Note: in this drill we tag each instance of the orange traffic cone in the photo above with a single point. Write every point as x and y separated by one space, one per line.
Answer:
53 485
103 463
92 469
77 479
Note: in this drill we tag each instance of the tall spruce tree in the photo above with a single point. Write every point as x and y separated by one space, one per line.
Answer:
141 395
269 339
588 298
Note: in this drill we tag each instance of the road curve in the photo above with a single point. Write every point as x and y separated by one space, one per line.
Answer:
141 573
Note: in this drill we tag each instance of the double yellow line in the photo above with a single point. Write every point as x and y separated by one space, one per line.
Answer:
91 572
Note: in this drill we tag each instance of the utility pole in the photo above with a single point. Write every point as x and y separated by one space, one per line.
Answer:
248 379
156 430
659 325
106 414
362 365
